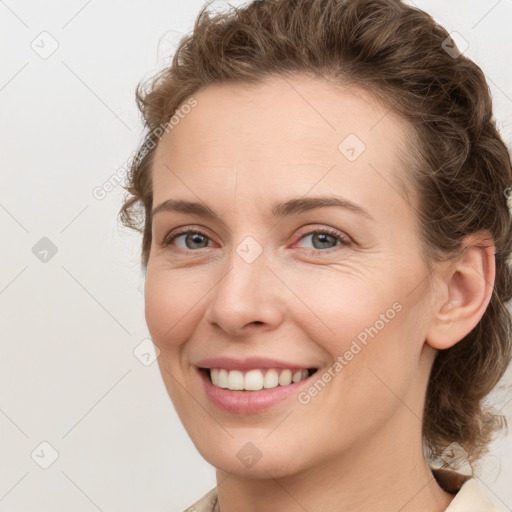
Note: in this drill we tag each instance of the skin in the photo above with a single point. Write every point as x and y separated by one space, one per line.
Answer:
357 445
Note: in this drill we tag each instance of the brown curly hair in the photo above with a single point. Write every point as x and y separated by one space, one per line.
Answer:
462 168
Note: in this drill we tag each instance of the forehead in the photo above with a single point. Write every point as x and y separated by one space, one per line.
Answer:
283 133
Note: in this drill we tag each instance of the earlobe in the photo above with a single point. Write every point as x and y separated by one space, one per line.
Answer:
467 287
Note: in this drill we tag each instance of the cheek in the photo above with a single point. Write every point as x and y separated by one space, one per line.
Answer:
363 324
344 305
172 307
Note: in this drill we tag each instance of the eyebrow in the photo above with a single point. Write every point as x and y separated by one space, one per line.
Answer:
290 207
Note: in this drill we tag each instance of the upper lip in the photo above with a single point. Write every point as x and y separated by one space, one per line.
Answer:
249 363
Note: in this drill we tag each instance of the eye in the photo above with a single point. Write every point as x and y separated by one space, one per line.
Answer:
191 238
324 239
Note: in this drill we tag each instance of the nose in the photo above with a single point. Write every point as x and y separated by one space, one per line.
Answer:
246 297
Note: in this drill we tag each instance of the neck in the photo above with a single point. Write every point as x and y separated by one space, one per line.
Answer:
366 477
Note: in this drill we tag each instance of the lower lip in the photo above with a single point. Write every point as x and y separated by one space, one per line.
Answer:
246 402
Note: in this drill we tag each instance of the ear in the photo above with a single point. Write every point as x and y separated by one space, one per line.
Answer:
465 289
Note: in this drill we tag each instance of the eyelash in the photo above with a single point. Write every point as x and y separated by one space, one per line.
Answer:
344 241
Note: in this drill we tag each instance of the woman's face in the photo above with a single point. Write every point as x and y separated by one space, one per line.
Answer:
351 301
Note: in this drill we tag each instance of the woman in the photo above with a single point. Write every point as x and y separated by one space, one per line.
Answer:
322 196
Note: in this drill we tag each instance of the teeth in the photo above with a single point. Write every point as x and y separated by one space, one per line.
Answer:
271 379
235 380
221 377
285 378
298 375
255 380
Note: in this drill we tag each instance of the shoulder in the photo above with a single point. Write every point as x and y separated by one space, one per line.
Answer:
469 494
208 503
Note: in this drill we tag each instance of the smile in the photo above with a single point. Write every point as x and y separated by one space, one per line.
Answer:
244 391
256 379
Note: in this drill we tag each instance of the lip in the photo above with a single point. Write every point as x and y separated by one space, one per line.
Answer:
250 363
250 402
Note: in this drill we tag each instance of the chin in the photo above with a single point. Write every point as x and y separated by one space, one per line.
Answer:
245 459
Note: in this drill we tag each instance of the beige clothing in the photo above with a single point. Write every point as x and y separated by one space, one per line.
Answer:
469 495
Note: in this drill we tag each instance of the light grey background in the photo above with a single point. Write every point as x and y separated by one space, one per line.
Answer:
68 373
